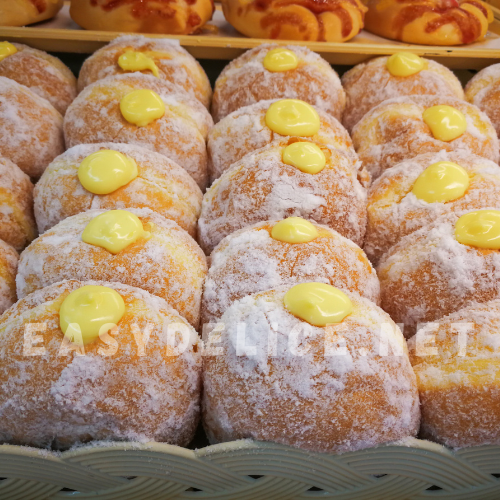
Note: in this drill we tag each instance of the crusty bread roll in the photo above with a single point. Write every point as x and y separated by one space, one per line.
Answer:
22 12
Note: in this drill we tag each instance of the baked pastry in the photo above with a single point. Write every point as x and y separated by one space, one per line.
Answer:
442 268
96 365
457 381
401 128
429 22
273 71
143 110
419 191
307 384
300 179
30 128
23 12
136 247
159 57
8 269
44 74
274 253
112 175
253 127
17 223
372 82
316 20
180 17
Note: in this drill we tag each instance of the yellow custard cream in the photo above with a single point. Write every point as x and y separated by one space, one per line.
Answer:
479 229
6 50
142 107
278 60
446 123
137 61
292 117
404 64
294 230
306 156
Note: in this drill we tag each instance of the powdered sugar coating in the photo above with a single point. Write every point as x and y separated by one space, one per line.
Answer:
245 81
394 131
261 187
169 264
94 116
175 64
245 130
299 396
17 223
8 269
394 211
458 384
429 274
370 83
161 185
59 400
30 128
250 261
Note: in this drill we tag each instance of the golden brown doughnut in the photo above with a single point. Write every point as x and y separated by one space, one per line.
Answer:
8 269
23 12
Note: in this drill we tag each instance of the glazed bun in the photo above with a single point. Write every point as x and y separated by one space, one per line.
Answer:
395 130
245 130
395 210
173 64
8 269
458 382
160 185
23 12
179 133
17 223
253 260
261 186
370 83
42 73
322 21
262 73
429 22
123 388
300 395
178 17
30 128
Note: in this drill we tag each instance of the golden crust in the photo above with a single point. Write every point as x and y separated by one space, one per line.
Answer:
22 12
8 268
67 399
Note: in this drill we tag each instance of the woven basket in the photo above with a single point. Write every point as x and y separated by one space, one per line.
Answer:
249 470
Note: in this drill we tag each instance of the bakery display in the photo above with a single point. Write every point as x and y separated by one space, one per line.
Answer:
146 111
275 253
301 390
159 57
325 21
30 128
126 386
42 73
278 72
8 269
179 17
86 176
17 223
253 127
442 268
421 190
402 74
429 22
301 179
23 12
403 127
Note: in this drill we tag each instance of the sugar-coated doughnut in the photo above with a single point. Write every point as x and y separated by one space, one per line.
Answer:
30 128
253 260
261 186
370 83
245 130
275 71
178 131
160 185
166 57
8 268
323 389
23 12
395 210
395 130
17 223
130 384
166 262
